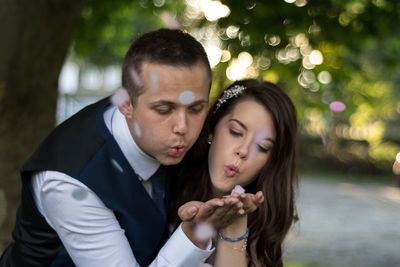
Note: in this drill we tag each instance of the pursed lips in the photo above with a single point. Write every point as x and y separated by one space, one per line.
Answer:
176 151
231 170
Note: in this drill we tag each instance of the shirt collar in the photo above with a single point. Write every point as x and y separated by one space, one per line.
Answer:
144 165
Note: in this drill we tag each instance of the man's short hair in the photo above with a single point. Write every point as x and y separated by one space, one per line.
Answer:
163 46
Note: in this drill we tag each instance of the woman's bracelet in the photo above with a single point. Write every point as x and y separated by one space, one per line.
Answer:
242 248
235 239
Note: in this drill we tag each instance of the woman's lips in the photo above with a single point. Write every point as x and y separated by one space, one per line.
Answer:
231 170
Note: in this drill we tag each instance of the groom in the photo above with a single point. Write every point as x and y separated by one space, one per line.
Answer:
94 191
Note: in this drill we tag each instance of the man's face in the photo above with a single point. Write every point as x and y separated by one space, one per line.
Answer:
168 116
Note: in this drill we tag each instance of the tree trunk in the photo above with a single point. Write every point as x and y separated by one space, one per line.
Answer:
35 37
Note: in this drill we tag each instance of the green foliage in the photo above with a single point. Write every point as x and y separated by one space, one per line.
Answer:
359 41
107 28
360 46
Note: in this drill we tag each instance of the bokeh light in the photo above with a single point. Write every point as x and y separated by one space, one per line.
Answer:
214 54
232 31
272 40
324 77
214 10
241 67
225 56
316 57
300 3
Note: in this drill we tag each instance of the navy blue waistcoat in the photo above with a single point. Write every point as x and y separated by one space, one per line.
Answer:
83 148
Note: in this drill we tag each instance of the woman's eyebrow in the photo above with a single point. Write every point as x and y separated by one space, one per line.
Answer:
244 127
269 139
239 122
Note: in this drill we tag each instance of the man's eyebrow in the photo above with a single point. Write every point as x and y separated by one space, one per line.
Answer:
162 102
198 102
172 103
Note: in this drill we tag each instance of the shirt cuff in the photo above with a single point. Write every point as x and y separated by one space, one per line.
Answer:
180 251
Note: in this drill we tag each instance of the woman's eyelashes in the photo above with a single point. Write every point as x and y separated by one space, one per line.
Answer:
235 133
264 149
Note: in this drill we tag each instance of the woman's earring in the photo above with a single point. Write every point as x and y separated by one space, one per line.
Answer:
209 140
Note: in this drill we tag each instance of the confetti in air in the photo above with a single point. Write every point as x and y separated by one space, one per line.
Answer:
186 97
238 189
153 80
80 194
120 97
137 129
204 231
396 165
396 168
135 77
254 147
116 165
170 21
337 106
151 136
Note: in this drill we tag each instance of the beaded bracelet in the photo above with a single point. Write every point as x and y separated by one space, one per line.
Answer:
235 239
242 248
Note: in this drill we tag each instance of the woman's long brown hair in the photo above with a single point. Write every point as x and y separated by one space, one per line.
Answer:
270 223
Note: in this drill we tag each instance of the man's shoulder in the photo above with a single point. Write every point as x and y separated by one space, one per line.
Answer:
71 144
88 113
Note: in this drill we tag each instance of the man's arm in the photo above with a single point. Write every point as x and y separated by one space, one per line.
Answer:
89 230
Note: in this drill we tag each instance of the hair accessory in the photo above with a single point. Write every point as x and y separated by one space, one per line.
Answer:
235 239
234 91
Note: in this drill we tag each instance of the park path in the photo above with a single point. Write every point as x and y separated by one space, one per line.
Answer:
345 225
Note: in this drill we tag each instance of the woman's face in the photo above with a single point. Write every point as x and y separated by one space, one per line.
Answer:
241 145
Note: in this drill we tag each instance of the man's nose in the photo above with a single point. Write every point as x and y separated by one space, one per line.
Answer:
180 126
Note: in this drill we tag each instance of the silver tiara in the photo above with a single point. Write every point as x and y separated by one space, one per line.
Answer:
234 91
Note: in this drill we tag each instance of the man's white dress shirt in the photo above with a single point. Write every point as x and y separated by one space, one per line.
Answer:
88 229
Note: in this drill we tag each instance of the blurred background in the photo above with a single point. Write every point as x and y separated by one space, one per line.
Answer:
338 60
